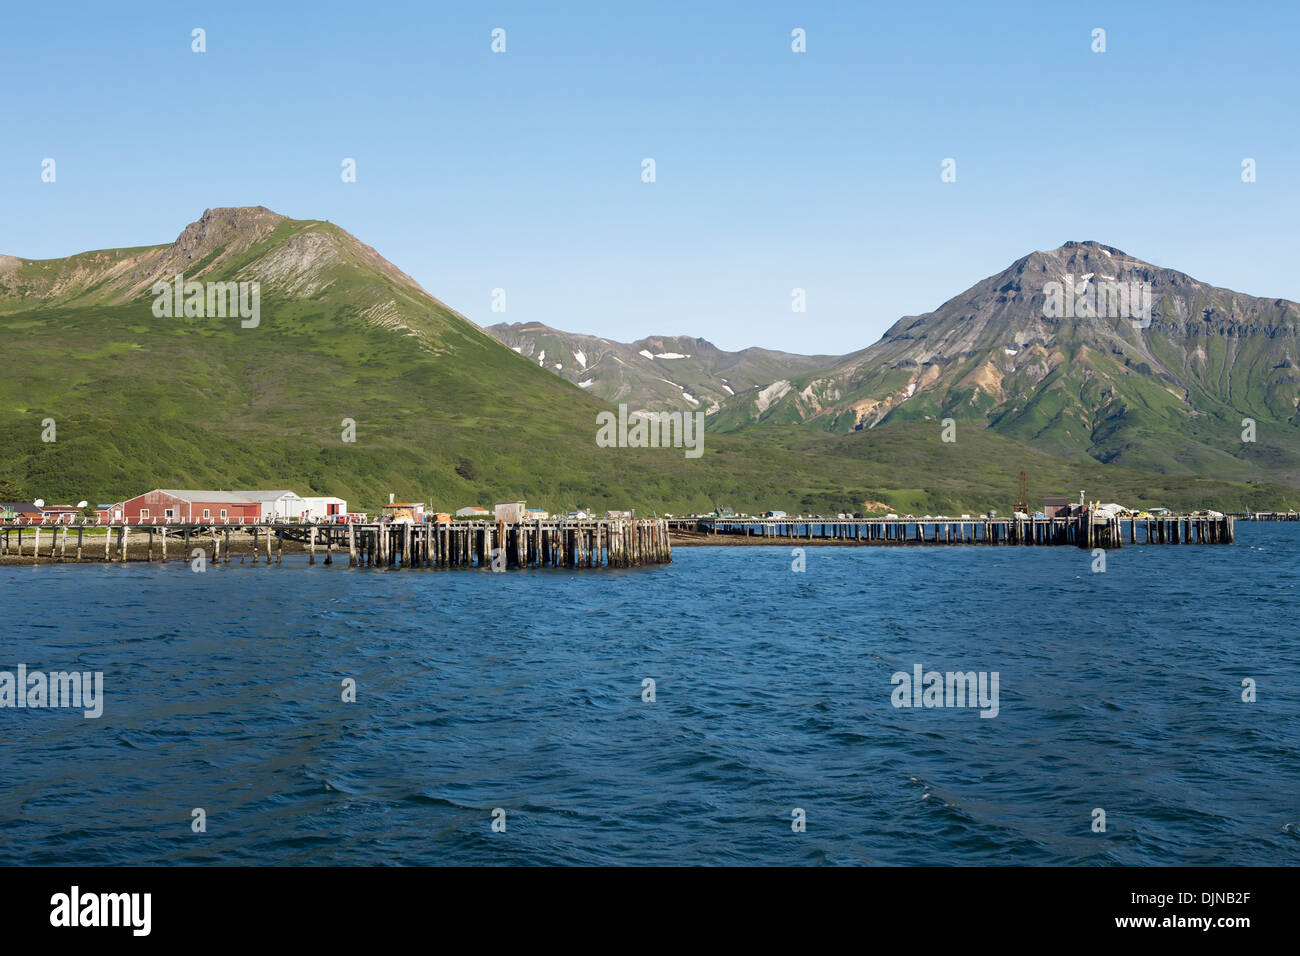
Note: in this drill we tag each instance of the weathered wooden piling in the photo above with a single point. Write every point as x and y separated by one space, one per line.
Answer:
613 543
1086 530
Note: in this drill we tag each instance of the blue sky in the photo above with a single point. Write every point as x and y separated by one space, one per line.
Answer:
774 170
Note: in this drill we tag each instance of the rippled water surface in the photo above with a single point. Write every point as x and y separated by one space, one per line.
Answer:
523 691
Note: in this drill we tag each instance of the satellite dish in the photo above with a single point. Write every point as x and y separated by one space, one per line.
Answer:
39 502
82 504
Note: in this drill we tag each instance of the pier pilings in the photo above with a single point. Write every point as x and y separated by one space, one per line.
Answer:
559 543
1088 530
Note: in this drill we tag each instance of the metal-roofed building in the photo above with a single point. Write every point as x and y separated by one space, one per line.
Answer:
191 506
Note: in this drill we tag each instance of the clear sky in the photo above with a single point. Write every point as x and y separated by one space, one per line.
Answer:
774 170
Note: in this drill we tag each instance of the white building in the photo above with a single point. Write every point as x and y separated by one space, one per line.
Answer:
277 505
473 511
323 508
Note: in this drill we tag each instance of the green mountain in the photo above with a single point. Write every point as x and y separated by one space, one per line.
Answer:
441 410
1164 391
136 398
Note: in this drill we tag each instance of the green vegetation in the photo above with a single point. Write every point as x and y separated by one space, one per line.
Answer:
446 414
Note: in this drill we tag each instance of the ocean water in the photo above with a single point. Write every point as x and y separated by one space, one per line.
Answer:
523 692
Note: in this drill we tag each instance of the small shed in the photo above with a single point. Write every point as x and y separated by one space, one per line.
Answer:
1054 506
277 505
323 508
512 512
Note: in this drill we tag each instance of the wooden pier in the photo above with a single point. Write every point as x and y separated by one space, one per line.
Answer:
495 545
1087 530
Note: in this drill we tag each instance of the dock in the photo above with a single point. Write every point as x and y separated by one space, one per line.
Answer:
1087 530
496 545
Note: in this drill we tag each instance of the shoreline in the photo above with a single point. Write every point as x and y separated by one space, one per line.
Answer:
92 551
697 539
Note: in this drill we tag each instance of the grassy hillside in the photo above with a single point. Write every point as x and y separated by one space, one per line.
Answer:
1169 397
443 412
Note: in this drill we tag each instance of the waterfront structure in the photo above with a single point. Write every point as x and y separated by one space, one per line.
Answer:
511 511
497 546
323 508
190 505
19 511
1055 506
410 512
1089 528
277 505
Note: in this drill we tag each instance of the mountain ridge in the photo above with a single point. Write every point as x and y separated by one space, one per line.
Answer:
1167 391
1107 386
654 373
436 408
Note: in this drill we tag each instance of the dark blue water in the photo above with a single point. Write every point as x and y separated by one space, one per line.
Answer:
522 691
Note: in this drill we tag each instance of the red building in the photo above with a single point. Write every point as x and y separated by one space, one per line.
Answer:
60 514
184 506
1055 506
